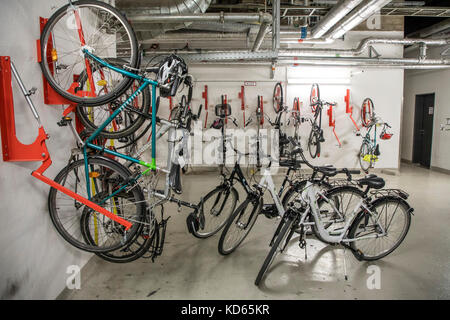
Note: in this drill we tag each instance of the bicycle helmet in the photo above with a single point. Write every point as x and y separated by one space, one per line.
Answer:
171 71
386 136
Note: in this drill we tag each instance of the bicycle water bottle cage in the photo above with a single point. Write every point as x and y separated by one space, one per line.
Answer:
223 110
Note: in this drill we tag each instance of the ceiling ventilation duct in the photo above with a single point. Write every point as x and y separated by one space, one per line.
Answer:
161 7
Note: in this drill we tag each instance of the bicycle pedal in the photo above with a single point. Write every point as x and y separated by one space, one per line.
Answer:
64 121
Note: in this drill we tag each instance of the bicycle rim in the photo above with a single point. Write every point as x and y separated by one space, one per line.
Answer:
66 213
363 153
218 206
393 216
105 33
239 226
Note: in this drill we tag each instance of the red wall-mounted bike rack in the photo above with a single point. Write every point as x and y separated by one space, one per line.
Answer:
296 107
332 123
205 96
241 95
349 109
13 149
261 101
224 103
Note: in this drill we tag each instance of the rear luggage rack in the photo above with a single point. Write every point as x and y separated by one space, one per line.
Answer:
390 192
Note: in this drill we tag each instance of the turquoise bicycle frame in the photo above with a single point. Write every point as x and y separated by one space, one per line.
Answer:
88 144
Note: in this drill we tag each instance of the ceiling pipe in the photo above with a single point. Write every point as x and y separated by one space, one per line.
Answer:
214 17
160 8
362 47
357 16
260 36
333 16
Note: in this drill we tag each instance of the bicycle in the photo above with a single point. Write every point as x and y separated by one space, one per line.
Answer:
368 222
316 133
370 150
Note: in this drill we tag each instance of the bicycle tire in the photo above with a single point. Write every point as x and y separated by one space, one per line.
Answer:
88 114
314 96
113 170
49 33
287 226
233 192
278 97
360 254
236 214
333 195
367 112
314 141
132 251
363 152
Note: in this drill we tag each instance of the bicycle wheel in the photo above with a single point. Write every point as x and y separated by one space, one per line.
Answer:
97 27
365 157
393 215
125 123
278 97
278 245
134 249
239 225
314 96
105 176
314 143
335 212
218 205
367 112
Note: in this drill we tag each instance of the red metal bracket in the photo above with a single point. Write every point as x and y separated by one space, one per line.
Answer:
261 101
349 109
13 149
205 96
332 123
241 95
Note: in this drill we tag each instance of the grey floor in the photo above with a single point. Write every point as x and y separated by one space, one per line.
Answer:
193 269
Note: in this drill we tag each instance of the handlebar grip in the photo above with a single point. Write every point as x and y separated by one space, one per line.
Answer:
154 69
354 171
199 112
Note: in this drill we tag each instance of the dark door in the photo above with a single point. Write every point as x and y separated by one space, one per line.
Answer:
423 129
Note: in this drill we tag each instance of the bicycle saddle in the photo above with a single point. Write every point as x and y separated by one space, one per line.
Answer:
372 181
328 171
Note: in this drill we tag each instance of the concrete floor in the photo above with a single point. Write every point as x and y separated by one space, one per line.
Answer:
191 268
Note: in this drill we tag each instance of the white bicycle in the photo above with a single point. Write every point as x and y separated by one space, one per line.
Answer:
375 227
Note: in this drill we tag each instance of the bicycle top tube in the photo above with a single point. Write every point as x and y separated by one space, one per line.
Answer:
119 70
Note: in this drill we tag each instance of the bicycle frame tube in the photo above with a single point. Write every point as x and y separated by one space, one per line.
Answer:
267 181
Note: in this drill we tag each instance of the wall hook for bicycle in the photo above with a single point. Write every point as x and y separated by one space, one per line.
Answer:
349 109
14 150
241 95
205 97
332 121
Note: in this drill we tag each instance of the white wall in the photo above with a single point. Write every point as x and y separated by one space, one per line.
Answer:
423 82
33 257
383 86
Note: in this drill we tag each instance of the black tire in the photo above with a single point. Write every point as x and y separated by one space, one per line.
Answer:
92 117
111 173
255 206
279 241
133 250
345 199
220 198
363 151
278 97
314 143
63 12
314 96
362 224
367 114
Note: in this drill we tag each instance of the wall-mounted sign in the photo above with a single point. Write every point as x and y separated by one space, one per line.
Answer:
250 83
